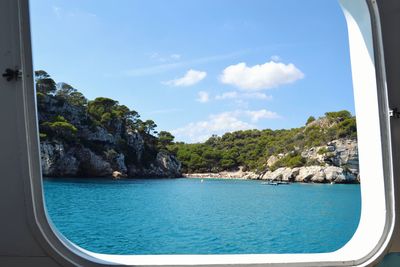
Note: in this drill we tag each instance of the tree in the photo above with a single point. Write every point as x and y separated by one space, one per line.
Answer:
310 120
60 128
44 83
107 111
77 99
150 126
165 138
70 95
251 148
101 105
213 140
64 90
338 115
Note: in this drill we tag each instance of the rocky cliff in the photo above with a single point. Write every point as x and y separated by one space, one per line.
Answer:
101 138
337 162
98 138
61 160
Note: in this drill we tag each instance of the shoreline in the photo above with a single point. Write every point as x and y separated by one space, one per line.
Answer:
306 174
188 176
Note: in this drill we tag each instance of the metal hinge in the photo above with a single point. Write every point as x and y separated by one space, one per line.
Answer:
11 74
394 113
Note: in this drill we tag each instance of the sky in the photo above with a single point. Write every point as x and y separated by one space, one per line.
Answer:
199 68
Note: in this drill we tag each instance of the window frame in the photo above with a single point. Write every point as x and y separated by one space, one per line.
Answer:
67 253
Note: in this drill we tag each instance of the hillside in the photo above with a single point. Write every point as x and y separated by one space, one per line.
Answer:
323 150
101 138
98 138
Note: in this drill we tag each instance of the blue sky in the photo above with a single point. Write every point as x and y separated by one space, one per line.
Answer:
200 67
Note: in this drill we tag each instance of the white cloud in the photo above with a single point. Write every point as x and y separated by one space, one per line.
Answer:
164 58
275 58
175 56
165 67
190 78
265 76
221 123
256 115
203 97
238 95
227 95
76 13
216 124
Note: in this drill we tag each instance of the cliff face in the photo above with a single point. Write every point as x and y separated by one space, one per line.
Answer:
78 146
337 162
59 160
101 138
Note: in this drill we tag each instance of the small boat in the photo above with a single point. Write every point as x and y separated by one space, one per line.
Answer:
283 182
269 183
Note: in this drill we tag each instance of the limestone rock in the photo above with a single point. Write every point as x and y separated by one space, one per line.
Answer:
118 175
281 174
334 174
170 165
99 134
135 140
50 153
92 165
345 154
120 163
165 165
310 174
313 154
272 160
55 161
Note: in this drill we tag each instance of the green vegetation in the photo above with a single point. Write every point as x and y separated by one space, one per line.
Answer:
58 127
44 83
338 115
66 116
165 139
252 148
291 160
310 120
69 94
323 150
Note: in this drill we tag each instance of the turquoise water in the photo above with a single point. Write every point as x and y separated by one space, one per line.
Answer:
187 216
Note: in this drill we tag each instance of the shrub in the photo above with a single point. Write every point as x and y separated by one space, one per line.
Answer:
310 120
322 150
291 160
60 128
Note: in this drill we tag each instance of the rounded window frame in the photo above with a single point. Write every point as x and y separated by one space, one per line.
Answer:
366 50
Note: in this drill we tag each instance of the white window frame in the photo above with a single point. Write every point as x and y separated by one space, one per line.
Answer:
372 238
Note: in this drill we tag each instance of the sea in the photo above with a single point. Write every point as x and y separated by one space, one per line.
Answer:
202 216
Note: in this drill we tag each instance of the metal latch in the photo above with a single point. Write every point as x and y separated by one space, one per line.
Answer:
10 74
394 113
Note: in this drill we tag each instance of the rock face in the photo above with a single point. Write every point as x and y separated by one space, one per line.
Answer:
313 174
83 162
136 141
56 161
344 153
337 163
92 165
165 165
100 150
